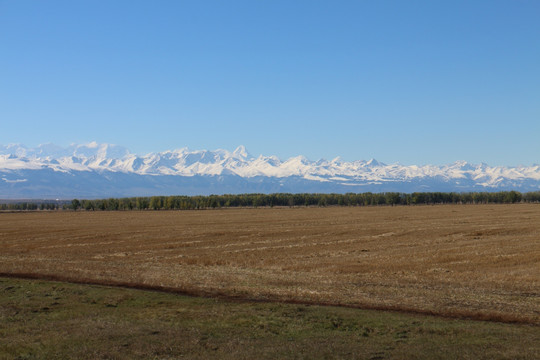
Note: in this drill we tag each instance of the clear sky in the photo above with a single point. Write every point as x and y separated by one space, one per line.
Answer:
414 82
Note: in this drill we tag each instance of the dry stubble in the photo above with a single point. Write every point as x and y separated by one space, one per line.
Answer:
478 261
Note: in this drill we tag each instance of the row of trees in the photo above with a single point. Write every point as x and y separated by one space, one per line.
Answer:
280 199
17 206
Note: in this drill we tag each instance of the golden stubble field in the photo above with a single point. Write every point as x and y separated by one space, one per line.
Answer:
476 261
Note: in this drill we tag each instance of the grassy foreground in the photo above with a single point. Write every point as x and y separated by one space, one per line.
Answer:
53 320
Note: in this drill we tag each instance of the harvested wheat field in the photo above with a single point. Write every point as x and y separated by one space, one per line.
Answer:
471 261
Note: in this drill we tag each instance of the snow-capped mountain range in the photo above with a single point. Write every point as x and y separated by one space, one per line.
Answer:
102 170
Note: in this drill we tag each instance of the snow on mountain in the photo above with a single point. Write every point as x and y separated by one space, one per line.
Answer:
237 168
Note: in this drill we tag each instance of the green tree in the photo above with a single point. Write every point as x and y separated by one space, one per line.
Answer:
155 203
75 204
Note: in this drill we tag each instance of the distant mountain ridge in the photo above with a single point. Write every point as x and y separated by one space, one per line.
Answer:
103 170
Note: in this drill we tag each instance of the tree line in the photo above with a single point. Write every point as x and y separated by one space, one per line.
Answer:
281 199
26 205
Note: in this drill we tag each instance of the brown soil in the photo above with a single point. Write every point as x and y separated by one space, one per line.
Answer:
471 261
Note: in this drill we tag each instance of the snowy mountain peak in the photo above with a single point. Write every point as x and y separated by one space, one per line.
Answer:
463 165
373 163
301 159
49 150
241 152
13 149
101 151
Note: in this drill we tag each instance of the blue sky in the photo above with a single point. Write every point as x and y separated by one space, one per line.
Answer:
413 82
